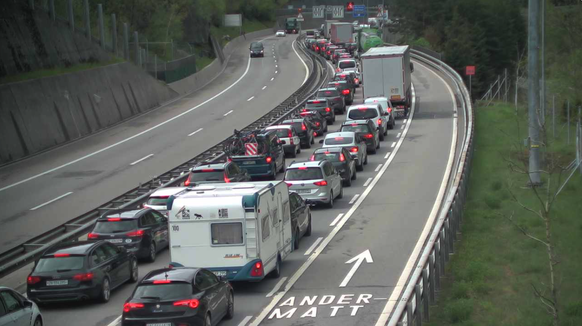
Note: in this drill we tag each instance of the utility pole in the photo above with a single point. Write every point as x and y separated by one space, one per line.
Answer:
533 92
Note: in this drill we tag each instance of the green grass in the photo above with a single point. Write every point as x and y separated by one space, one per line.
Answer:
489 280
56 71
202 62
249 26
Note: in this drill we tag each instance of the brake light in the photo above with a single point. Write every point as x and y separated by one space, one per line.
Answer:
304 110
257 269
389 110
290 134
354 150
303 127
268 159
207 170
192 303
129 306
302 168
345 91
288 184
32 280
187 182
356 80
354 125
368 136
342 157
317 48
226 179
116 219
312 158
315 133
84 277
138 233
61 255
162 282
320 183
327 110
379 122
316 102
317 123
339 138
328 52
92 235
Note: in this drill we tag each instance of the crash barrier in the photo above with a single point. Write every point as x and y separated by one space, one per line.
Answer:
412 306
30 250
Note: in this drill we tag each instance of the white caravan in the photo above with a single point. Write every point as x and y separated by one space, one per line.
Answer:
241 231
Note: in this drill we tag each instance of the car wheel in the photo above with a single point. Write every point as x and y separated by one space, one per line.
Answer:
312 141
277 271
153 252
133 271
373 151
330 204
381 135
386 131
282 166
308 232
391 125
359 167
299 150
207 320
348 182
105 291
341 194
38 322
355 175
366 159
325 130
296 240
230 307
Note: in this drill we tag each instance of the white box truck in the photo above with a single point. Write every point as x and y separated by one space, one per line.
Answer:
342 33
241 231
327 27
386 73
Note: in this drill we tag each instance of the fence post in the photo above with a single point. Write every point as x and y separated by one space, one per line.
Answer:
126 41
114 33
506 86
71 15
172 50
147 48
101 25
137 53
568 123
554 116
87 19
156 66
51 7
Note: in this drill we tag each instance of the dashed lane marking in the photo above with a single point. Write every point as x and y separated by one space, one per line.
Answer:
142 159
51 201
195 132
354 199
337 219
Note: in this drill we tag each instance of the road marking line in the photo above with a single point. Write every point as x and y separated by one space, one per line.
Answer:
245 321
367 182
339 217
272 78
276 71
229 112
302 61
402 127
405 120
51 201
393 144
313 246
277 287
354 199
408 268
195 132
250 98
263 314
264 87
398 136
387 154
141 159
132 137
276 66
275 60
379 166
115 322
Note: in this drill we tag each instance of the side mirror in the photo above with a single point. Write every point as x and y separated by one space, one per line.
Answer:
321 141
27 304
282 142
164 220
222 278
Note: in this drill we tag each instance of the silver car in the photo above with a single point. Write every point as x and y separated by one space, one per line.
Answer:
354 144
318 182
159 199
17 310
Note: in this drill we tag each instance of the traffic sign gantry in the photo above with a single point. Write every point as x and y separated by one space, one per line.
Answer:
359 11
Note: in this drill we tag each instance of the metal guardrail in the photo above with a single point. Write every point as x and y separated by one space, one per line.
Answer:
412 306
27 252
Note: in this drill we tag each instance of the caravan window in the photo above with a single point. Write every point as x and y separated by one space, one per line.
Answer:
265 229
227 233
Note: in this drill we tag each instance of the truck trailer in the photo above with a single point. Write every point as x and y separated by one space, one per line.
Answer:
341 33
292 25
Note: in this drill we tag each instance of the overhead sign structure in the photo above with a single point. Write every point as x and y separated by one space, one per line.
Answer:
359 259
233 20
359 11
300 18
318 11
336 11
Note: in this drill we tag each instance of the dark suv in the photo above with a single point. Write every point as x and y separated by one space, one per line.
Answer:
341 159
337 101
350 77
143 232
217 173
257 49
367 130
323 106
304 128
318 121
345 88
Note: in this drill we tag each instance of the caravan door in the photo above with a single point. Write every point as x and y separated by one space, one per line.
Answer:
285 231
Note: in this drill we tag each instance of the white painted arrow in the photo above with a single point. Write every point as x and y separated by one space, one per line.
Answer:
366 255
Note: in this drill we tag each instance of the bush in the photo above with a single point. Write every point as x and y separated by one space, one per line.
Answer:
460 290
459 310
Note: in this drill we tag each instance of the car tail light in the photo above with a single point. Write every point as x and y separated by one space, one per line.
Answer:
32 280
317 48
303 127
115 219
129 306
92 235
226 179
327 109
368 136
389 110
257 269
345 91
315 133
312 158
320 183
61 255
328 52
207 170
192 303
302 168
318 123
162 281
342 157
290 135
354 150
138 233
316 102
356 80
269 159
379 122
84 277
288 184
304 110
400 106
187 182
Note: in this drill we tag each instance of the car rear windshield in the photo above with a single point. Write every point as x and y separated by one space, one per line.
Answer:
328 93
157 201
282 133
330 156
163 292
363 114
226 233
347 64
256 46
303 174
320 104
115 226
339 141
340 77
201 175
355 128
50 264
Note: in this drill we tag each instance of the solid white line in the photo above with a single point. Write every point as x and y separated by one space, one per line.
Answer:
354 198
405 120
313 246
408 268
245 321
367 182
302 61
379 166
264 87
398 136
276 71
141 159
402 127
250 98
333 232
276 66
393 144
229 112
336 219
387 154
277 287
115 322
134 136
51 201
272 78
195 132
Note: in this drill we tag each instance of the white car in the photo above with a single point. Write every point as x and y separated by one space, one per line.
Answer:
289 138
15 309
280 33
159 199
386 106
373 112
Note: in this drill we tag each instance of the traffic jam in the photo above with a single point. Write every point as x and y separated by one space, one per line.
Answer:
235 220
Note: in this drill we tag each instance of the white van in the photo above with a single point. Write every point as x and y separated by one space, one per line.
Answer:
372 111
239 231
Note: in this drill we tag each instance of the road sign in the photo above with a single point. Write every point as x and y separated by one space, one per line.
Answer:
336 11
470 70
359 11
318 11
300 18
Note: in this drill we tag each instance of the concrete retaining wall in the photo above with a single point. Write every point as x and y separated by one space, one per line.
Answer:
39 114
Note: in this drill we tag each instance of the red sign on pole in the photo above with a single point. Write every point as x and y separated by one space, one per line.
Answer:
470 70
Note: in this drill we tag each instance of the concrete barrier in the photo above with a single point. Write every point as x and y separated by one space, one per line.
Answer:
39 114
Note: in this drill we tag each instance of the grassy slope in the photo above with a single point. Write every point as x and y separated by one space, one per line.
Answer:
489 281
248 26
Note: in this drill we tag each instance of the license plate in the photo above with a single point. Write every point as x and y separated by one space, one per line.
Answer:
115 240
249 162
304 191
56 283
220 273
160 324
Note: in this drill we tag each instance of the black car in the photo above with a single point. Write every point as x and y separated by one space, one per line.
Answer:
318 121
257 49
329 51
80 271
304 129
300 218
341 159
143 232
179 296
367 130
337 101
346 89
322 106
224 172
336 54
350 77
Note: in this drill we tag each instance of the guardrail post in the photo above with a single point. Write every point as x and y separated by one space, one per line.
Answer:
409 313
71 14
437 267
101 25
114 34
418 312
426 290
87 19
51 8
137 52
445 245
126 41
450 230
